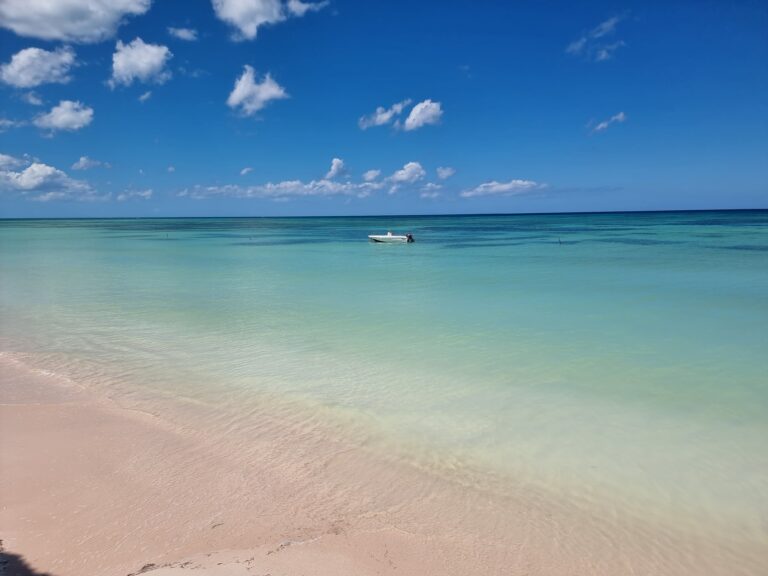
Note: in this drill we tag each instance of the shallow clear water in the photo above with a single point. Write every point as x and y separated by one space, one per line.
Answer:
609 358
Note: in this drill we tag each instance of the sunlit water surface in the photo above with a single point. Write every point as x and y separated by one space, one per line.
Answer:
606 358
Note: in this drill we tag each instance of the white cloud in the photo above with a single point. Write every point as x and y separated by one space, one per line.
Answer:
246 170
34 66
139 61
135 194
32 98
577 46
285 190
606 27
382 115
193 72
251 96
615 119
188 34
299 8
606 52
85 163
246 16
41 182
408 174
337 168
36 176
67 115
146 96
510 188
430 190
592 46
6 123
424 113
68 20
7 161
445 172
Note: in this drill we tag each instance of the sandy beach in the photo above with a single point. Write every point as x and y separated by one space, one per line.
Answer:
91 488
344 288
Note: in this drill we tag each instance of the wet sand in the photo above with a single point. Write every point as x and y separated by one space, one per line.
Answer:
90 488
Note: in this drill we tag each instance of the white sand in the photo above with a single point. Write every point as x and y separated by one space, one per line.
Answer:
92 489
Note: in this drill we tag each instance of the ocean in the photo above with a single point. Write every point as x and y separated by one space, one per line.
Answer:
618 361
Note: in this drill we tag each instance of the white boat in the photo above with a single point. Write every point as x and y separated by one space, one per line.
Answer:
389 237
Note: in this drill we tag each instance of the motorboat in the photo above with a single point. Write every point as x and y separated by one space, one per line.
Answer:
389 237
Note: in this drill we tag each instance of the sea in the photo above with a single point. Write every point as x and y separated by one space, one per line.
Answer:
615 360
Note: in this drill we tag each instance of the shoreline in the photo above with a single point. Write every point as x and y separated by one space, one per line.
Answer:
95 488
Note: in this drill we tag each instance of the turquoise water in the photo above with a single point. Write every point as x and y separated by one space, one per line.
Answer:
617 358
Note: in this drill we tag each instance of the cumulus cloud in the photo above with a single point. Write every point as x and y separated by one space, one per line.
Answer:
36 176
423 114
605 124
246 170
287 189
247 16
251 96
593 45
68 20
41 182
494 188
284 190
188 34
135 195
67 115
445 172
337 168
139 61
85 163
383 115
7 161
146 96
34 66
408 174
299 8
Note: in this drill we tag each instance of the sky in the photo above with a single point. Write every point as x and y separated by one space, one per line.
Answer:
291 107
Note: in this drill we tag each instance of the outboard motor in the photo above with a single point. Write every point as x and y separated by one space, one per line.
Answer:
409 238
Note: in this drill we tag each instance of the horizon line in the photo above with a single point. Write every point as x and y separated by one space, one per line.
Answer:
445 214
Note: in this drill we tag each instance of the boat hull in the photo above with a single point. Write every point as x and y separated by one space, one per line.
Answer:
387 239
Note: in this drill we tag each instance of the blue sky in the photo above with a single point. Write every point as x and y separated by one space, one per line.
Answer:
284 107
